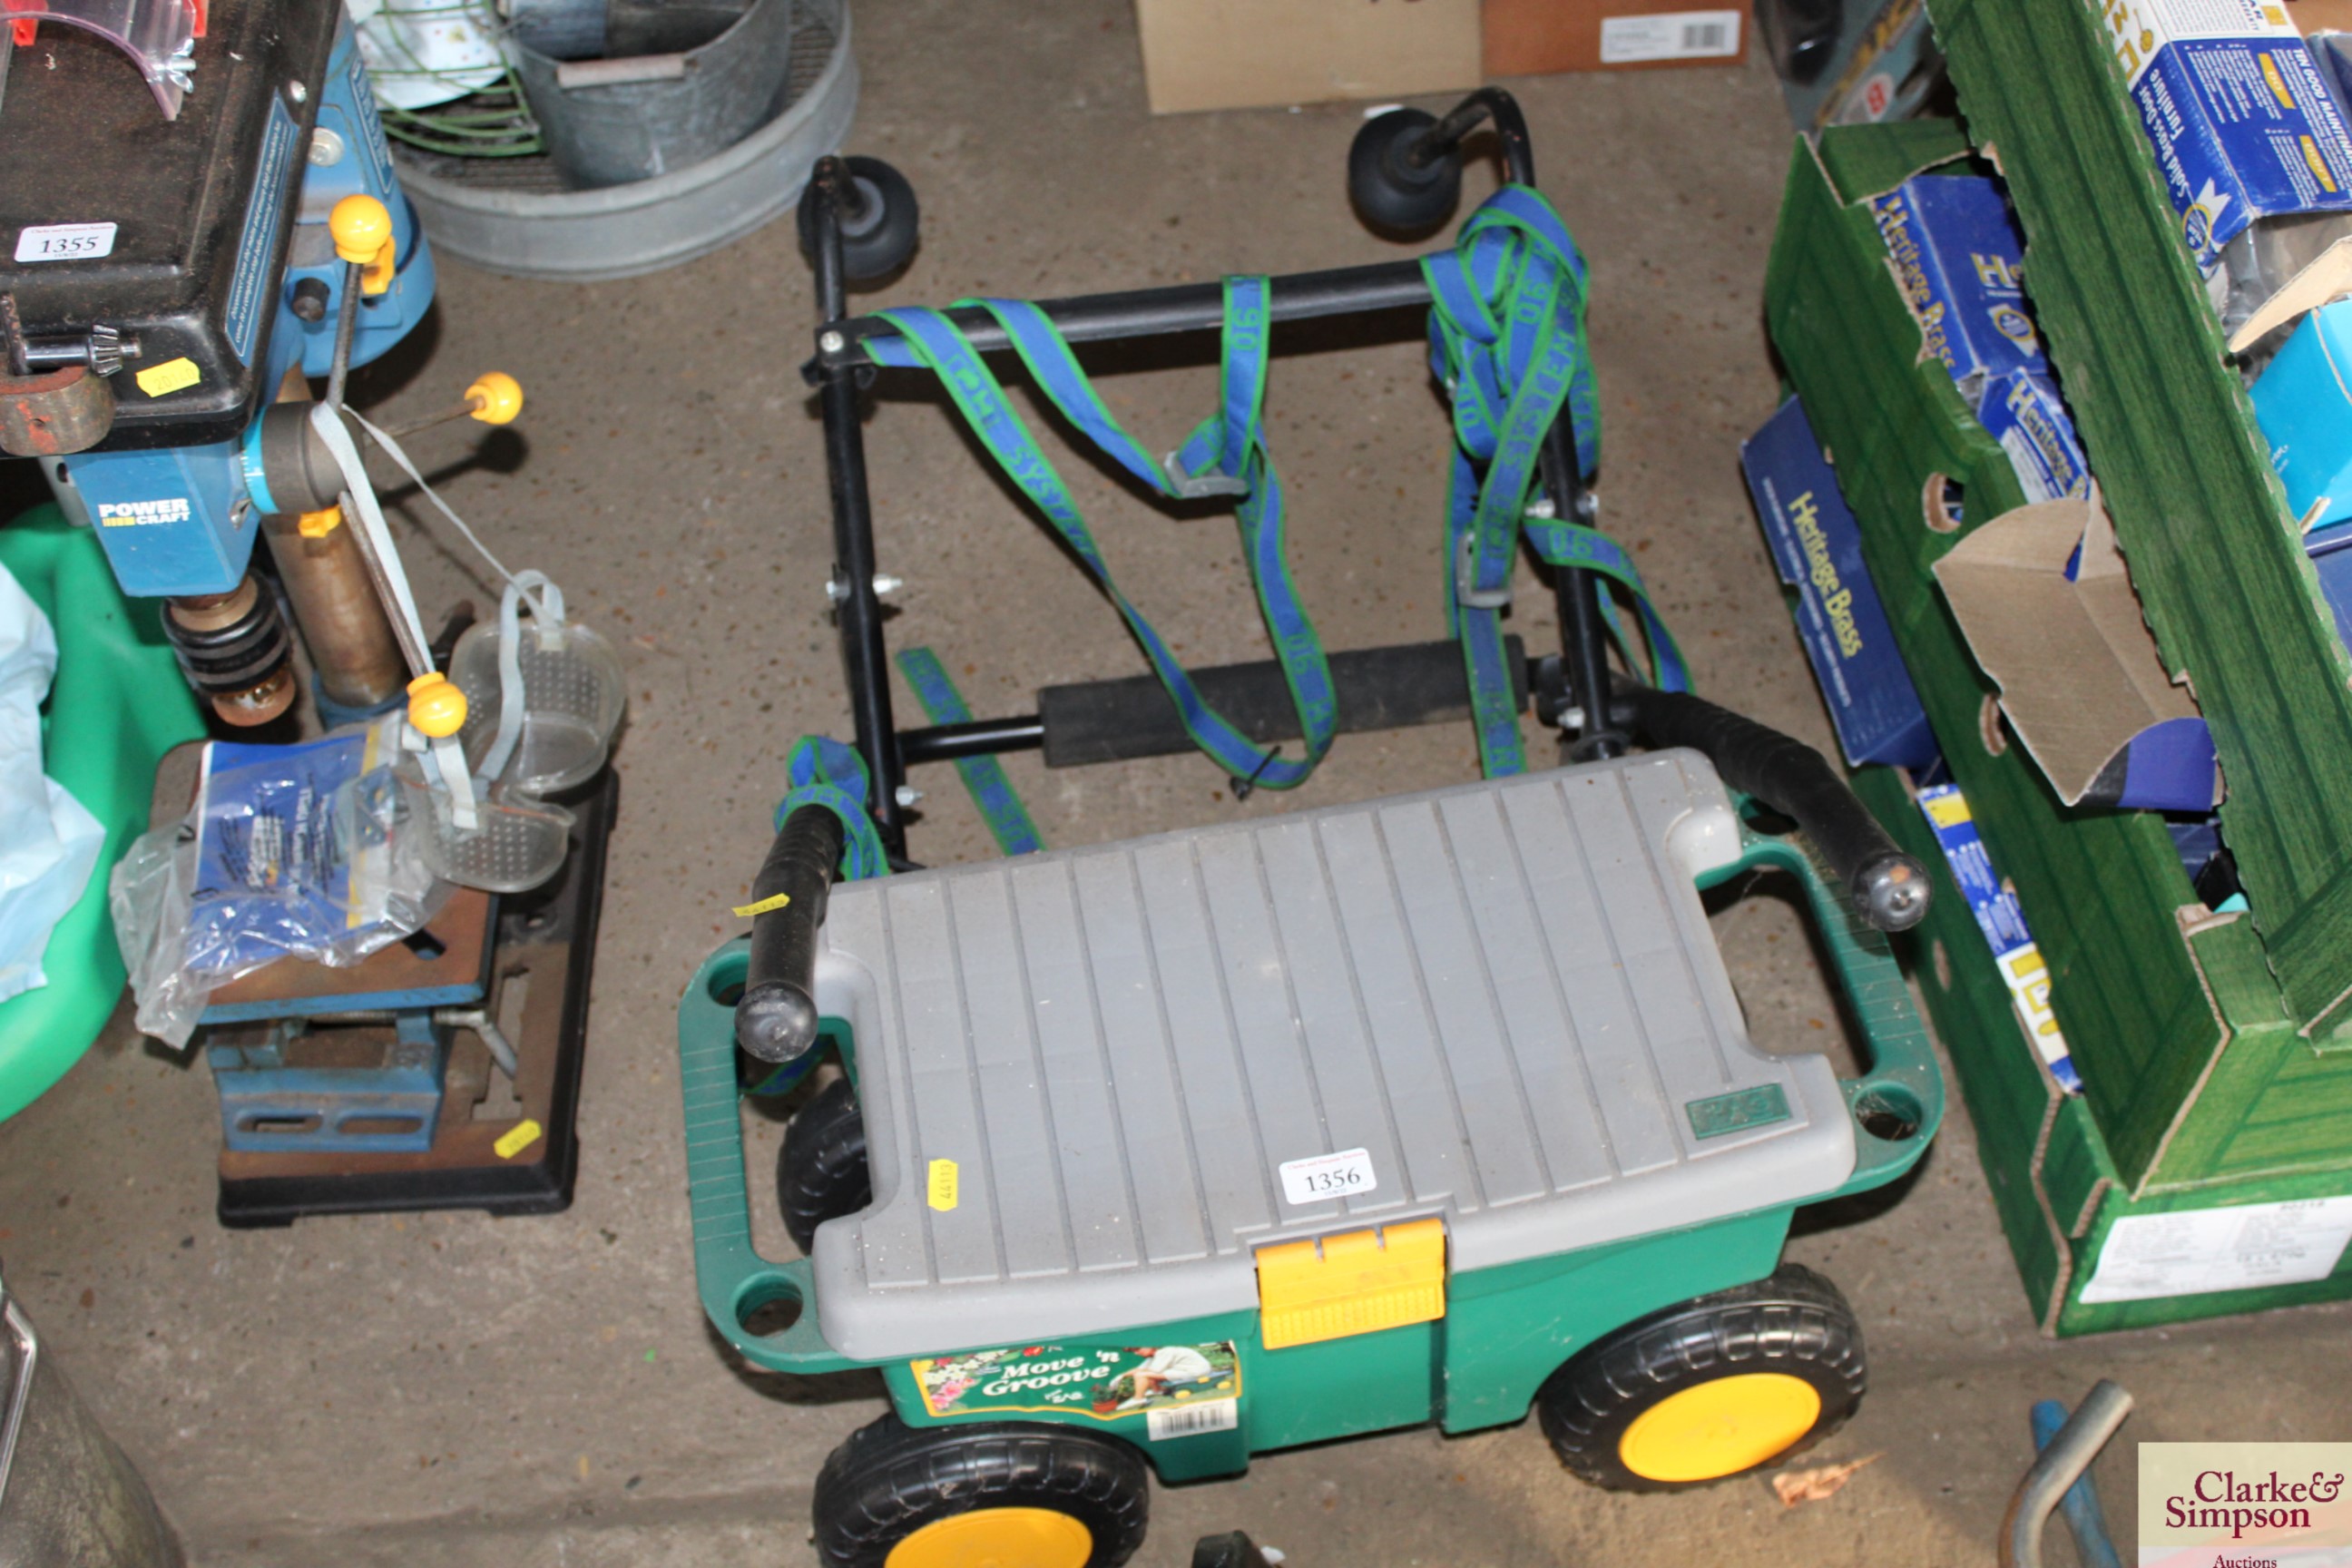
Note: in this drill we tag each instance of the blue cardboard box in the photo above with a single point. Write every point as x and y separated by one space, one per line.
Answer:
1817 547
1958 259
2242 123
2305 407
2331 555
2002 920
2025 413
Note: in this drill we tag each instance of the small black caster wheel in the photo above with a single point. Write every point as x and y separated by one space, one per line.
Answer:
1024 1492
879 234
1232 1550
820 1171
1718 1386
1392 192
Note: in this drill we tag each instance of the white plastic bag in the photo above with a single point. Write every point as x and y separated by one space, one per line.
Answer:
48 843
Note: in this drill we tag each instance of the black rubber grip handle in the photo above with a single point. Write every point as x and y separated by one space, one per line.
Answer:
776 1018
1889 887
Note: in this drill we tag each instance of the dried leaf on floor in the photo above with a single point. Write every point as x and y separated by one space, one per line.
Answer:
1816 1482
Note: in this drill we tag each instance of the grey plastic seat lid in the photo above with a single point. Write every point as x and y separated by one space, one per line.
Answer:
1084 1073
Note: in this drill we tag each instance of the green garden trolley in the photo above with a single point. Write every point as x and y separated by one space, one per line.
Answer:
1153 1155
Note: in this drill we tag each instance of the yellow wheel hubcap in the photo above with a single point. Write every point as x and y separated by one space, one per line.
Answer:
998 1538
1717 1428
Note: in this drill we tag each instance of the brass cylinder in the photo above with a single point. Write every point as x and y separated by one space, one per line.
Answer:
343 623
232 648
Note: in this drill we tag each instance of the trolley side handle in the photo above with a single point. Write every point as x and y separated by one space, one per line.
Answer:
741 1291
1889 889
776 1020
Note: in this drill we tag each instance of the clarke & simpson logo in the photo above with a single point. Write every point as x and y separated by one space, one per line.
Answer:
2245 1505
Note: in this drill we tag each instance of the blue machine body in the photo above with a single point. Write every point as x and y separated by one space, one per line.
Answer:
269 1104
181 520
268 1107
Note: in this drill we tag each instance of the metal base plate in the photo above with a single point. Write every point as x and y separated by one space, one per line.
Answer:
546 947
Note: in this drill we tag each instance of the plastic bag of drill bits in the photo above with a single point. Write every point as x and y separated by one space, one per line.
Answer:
306 851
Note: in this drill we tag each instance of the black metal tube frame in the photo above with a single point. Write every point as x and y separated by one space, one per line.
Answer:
858 613
843 357
1155 312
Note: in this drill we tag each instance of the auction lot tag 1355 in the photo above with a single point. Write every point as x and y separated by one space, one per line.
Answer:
1322 1177
66 242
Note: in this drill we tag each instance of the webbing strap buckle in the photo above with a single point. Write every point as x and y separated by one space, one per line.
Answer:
1466 592
1199 487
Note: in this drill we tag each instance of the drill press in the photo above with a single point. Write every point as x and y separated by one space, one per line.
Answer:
200 216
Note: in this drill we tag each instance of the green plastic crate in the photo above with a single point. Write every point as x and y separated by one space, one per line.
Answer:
2171 436
118 704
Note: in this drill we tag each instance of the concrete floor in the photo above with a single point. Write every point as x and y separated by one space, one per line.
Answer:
457 1389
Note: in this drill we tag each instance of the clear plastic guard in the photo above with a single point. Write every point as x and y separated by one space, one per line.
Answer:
160 36
518 844
573 696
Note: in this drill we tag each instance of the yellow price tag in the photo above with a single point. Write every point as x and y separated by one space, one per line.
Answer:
1949 810
172 375
773 901
942 1186
516 1139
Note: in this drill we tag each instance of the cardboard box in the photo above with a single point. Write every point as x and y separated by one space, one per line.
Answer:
1999 915
1959 262
1817 549
2311 17
2215 554
2074 1225
2191 1069
2241 124
1244 53
2198 1092
2331 557
2024 413
2306 411
1536 37
2044 601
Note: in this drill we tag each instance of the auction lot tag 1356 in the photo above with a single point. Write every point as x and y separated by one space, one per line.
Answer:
1322 1177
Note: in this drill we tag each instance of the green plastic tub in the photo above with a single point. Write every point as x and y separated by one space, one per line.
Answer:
117 705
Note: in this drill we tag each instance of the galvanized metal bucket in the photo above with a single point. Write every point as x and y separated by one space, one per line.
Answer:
67 1493
629 117
516 215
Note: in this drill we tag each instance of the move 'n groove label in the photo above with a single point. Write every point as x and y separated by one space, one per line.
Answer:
1170 1384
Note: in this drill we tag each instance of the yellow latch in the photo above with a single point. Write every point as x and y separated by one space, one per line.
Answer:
1351 1283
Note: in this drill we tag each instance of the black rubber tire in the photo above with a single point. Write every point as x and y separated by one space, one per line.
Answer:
883 237
820 1171
1794 1322
1392 198
889 1480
